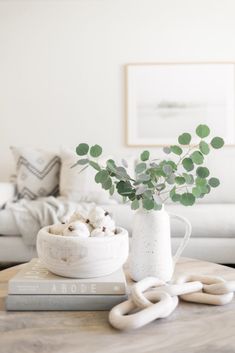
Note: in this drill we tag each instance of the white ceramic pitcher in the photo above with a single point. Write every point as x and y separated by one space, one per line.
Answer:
151 244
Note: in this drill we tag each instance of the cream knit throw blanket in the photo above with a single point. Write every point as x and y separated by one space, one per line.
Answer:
32 215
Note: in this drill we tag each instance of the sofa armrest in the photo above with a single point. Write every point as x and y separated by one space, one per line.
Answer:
7 192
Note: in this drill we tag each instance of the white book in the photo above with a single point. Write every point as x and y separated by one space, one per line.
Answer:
23 302
35 278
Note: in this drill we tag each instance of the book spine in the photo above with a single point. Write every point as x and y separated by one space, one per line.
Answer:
62 288
62 302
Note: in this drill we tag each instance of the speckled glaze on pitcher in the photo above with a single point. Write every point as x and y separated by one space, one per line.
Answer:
151 245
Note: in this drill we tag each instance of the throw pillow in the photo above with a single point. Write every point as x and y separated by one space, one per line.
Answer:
79 187
37 172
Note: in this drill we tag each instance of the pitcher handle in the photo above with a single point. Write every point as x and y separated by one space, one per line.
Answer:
184 242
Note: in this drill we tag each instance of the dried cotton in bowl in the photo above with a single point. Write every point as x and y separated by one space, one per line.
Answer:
107 222
78 229
57 229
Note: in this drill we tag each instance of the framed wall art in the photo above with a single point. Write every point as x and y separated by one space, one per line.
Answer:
163 100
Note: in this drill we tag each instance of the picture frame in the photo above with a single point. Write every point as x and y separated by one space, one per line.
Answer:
165 99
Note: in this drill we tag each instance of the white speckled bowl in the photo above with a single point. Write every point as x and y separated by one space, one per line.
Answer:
75 257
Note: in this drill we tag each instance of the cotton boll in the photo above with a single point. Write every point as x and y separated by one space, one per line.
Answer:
96 215
77 228
107 222
77 216
100 218
57 229
97 232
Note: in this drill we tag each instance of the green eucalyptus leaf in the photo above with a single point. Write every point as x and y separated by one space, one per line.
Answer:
204 147
217 142
173 195
107 184
131 196
214 182
94 165
189 179
121 173
150 184
144 155
83 161
176 150
179 180
202 172
200 182
101 176
82 149
197 157
166 150
140 167
157 207
202 131
148 194
196 191
184 139
176 197
143 177
205 189
187 199
166 162
188 164
124 188
135 204
167 169
148 204
171 179
96 151
111 165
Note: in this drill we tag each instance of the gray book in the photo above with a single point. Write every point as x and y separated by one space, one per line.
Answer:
21 302
34 278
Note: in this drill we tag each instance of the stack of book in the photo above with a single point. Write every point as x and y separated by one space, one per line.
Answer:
36 288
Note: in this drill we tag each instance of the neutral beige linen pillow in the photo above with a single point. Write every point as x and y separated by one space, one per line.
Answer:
37 172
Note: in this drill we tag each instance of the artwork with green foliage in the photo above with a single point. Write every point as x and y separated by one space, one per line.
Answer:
181 176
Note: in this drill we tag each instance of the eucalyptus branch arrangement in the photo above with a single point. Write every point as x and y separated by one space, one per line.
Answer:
181 176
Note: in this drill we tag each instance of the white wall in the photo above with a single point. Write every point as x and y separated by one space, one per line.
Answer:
61 63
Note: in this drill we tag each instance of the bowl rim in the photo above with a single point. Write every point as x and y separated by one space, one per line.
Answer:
122 232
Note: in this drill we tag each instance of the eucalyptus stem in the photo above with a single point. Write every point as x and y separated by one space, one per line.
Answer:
183 181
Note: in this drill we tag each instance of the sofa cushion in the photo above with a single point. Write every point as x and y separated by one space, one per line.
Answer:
37 172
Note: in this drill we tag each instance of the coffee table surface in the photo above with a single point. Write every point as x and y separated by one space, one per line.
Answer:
191 328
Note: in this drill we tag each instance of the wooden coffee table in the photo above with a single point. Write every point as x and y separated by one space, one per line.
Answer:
192 328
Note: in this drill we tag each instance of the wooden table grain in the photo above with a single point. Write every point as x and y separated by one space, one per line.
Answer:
191 328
